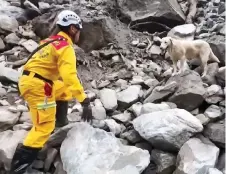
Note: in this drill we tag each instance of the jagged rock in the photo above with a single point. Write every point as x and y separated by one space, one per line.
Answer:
197 161
216 133
155 50
30 45
146 10
217 43
151 107
58 137
113 126
128 96
154 68
109 99
195 111
107 53
24 126
159 93
190 91
221 161
169 129
8 74
214 112
124 117
8 24
2 45
214 94
132 136
12 39
2 92
136 109
8 143
51 155
186 31
220 76
123 84
131 159
99 112
166 162
25 117
203 119
7 119
214 171
152 84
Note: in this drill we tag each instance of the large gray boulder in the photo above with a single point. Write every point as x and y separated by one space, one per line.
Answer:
96 151
109 99
202 155
8 143
148 10
7 118
216 133
169 129
166 162
190 91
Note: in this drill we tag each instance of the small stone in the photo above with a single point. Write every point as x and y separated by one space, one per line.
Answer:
22 108
129 96
99 112
4 103
25 117
104 84
137 80
113 126
214 94
165 161
116 59
214 112
151 107
109 99
30 45
136 109
124 117
24 126
203 119
195 111
216 133
12 39
141 45
123 84
132 136
155 50
186 31
135 42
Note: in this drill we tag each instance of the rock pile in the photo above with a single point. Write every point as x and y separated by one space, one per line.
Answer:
145 121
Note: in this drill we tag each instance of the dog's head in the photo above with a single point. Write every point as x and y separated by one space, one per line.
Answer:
165 43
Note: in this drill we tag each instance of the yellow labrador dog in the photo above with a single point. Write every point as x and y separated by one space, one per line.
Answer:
180 50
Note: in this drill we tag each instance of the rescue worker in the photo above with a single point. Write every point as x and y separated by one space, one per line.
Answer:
36 86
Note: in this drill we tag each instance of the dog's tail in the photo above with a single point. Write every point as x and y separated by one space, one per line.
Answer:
213 57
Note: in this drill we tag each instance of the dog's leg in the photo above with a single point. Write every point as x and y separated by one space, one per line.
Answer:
182 65
174 68
204 65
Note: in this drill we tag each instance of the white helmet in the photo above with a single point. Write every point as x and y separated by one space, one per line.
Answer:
67 17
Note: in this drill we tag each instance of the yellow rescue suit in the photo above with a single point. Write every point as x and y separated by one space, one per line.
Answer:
51 62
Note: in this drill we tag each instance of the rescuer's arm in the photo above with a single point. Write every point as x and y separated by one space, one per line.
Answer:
68 72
